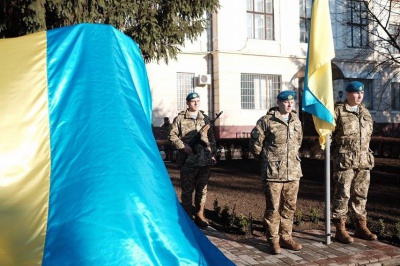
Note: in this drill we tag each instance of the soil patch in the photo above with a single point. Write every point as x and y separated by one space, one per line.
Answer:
235 202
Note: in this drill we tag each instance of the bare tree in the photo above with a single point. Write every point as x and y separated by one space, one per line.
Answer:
372 30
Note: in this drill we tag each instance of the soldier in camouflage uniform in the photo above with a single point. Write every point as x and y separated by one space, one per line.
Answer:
165 130
276 140
352 162
195 165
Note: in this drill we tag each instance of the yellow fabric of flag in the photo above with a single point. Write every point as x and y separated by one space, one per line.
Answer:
318 87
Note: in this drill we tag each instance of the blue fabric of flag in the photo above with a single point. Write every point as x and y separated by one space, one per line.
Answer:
111 200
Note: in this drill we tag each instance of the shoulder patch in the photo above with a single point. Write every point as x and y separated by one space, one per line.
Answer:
254 133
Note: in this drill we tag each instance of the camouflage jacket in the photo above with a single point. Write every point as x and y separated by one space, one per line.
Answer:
277 144
184 128
351 138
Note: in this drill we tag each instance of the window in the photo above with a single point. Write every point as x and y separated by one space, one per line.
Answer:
368 93
259 91
357 24
260 19
305 19
394 31
185 85
396 96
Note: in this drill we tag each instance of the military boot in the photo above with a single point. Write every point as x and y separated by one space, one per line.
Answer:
362 230
289 243
274 247
341 234
199 218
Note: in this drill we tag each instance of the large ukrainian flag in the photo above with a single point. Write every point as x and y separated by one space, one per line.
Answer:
81 179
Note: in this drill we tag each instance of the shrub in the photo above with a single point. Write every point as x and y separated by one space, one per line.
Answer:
225 216
299 217
381 227
314 215
397 228
216 206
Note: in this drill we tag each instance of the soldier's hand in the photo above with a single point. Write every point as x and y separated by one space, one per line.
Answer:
204 130
187 149
213 160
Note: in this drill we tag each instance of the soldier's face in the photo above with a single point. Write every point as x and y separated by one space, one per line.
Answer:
355 98
285 107
194 104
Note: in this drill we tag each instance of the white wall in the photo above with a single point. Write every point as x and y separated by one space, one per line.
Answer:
163 85
234 54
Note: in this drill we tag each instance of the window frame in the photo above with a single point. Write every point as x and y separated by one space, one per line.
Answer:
184 86
395 95
394 31
259 91
305 7
357 23
265 15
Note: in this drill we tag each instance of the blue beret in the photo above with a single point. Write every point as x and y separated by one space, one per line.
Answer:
192 95
354 86
286 95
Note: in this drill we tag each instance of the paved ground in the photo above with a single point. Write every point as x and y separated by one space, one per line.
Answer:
315 252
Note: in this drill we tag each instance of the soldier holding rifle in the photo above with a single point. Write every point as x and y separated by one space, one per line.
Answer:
194 161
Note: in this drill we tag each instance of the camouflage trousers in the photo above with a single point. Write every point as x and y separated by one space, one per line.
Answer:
194 179
280 200
351 186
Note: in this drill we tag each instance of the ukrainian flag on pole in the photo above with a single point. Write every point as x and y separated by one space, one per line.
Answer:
81 178
318 87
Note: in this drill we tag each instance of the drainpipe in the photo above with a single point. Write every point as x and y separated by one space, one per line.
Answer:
210 69
210 63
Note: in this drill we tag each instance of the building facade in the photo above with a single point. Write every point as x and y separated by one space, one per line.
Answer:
253 49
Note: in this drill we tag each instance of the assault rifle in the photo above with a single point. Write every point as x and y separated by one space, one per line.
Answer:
196 140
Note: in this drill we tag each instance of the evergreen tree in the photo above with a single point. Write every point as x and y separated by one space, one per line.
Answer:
158 26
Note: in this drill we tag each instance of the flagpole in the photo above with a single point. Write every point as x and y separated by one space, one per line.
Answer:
318 89
327 191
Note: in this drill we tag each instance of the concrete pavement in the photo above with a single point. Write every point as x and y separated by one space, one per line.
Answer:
254 251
